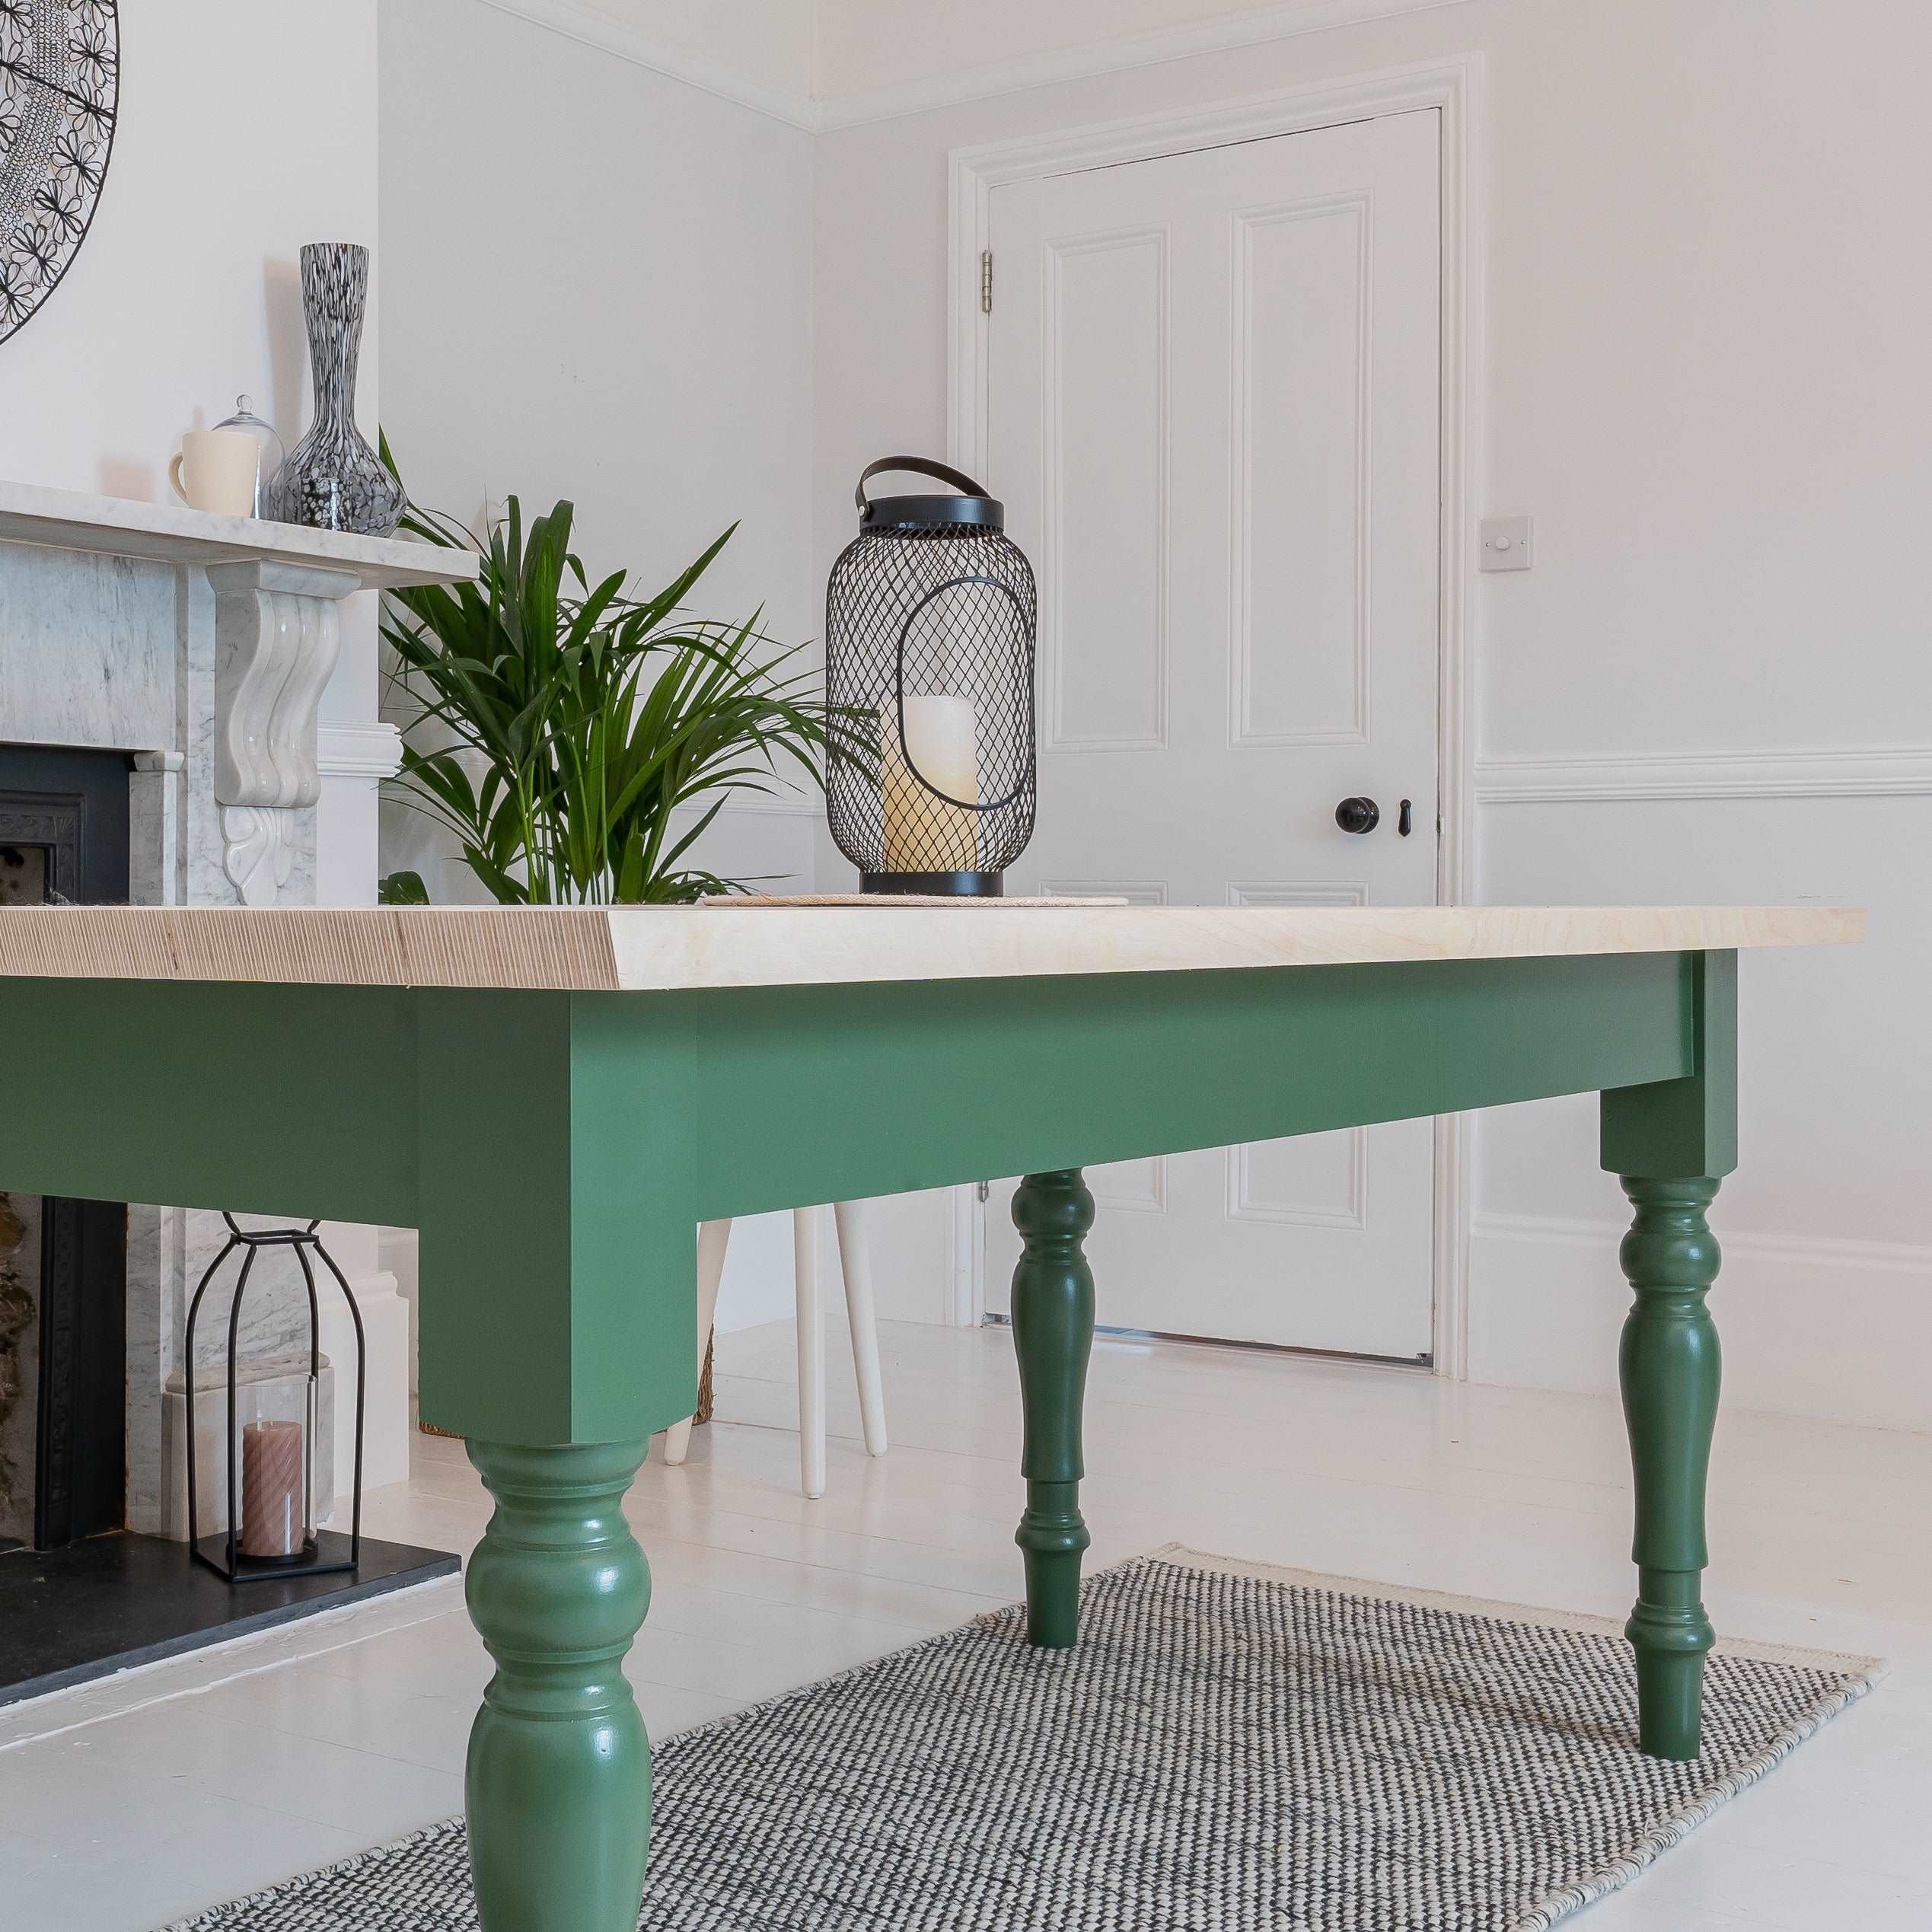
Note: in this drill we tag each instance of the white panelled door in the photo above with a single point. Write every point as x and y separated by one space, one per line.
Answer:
1214 416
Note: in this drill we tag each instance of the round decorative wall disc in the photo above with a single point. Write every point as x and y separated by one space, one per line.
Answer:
59 91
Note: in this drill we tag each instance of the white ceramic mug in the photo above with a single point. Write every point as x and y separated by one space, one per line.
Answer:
216 471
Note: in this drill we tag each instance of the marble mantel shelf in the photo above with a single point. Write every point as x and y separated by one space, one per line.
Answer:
82 661
165 533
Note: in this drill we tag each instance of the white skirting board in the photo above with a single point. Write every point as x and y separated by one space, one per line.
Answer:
305 1638
1546 1301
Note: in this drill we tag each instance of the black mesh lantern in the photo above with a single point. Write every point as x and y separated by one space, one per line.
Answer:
270 1457
930 627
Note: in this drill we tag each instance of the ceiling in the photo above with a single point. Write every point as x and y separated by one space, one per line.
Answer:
828 63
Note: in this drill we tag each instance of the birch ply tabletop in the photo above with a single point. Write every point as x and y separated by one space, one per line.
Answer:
656 948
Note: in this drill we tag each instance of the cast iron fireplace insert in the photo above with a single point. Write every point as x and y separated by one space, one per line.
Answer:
64 837
81 1597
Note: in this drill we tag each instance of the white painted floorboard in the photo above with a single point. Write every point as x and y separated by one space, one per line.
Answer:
1818 1538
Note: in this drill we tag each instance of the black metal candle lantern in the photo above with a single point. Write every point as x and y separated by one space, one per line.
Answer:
930 620
280 1515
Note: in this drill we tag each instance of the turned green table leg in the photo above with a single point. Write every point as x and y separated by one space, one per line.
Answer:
1669 1373
1053 1336
1670 1142
559 1784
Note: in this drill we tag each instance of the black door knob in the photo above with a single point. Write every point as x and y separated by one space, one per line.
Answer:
1358 814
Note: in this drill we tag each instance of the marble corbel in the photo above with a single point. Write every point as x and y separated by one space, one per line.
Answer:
277 630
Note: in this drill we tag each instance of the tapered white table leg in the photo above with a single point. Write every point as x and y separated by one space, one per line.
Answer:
855 1261
714 1237
811 1351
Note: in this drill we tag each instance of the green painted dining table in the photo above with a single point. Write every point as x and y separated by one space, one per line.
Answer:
556 1097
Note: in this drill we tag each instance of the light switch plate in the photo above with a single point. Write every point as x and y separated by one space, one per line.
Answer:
1508 542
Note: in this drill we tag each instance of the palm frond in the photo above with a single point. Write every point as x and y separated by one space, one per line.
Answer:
552 726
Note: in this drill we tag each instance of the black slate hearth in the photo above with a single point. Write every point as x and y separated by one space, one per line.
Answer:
69 1616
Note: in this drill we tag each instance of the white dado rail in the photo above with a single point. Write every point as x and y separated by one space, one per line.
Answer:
276 633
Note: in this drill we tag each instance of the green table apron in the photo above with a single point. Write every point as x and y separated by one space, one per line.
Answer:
557 1149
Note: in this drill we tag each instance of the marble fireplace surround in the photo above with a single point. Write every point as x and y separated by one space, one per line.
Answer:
200 645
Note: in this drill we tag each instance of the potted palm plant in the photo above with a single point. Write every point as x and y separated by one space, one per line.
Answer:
575 740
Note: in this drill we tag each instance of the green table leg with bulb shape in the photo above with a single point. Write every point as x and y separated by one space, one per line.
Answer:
558 1783
557 1151
1669 1376
1670 1142
1053 1338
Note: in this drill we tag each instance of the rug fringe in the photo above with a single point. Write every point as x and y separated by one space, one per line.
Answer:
218 1916
1865 1674
1675 1829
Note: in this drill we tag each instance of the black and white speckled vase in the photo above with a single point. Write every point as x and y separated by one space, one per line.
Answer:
332 480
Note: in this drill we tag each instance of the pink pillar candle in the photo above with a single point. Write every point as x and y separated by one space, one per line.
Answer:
271 1512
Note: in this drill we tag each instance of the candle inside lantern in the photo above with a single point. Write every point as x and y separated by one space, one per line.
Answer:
272 1517
924 833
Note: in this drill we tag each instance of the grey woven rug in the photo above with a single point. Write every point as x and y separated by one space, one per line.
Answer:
1231 1749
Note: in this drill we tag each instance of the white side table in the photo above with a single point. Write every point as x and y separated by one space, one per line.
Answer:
714 1237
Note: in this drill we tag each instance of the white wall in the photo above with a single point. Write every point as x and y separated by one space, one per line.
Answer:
1705 377
616 309
599 287
187 291
881 57
761 51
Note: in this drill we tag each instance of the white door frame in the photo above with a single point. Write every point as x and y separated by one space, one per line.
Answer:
1453 88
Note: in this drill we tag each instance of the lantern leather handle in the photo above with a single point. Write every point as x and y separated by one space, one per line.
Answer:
920 466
